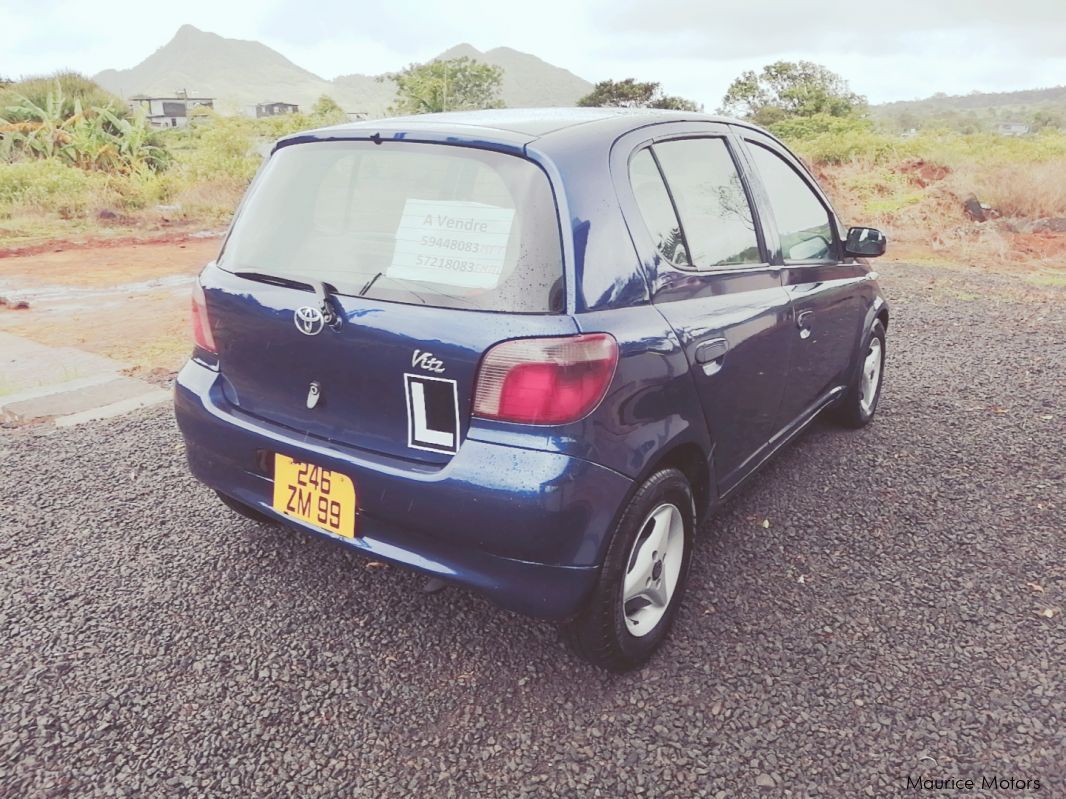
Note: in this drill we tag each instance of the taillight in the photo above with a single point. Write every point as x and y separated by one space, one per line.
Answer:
201 325
545 380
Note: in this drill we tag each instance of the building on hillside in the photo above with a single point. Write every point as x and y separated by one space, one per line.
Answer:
275 109
1013 129
169 112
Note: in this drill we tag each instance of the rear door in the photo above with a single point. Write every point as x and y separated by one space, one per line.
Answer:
362 283
827 305
713 284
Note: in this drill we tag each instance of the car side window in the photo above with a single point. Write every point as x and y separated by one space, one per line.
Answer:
803 222
716 219
656 208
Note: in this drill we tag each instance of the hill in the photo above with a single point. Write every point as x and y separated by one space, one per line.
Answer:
240 73
977 110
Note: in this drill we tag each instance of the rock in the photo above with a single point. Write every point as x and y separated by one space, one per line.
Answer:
106 213
973 208
1053 225
765 781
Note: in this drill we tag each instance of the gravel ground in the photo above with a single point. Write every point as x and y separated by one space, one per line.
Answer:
906 602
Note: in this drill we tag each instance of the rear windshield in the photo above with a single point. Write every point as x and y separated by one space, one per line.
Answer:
453 227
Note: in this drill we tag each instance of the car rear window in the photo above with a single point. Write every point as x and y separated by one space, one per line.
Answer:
455 227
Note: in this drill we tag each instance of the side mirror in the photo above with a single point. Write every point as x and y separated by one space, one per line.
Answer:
865 242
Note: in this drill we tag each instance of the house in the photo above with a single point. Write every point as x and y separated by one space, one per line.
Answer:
1013 129
169 112
275 109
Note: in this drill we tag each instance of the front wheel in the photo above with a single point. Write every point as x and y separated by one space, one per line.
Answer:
644 574
859 403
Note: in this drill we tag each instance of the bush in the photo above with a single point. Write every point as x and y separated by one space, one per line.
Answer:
73 87
50 186
839 140
216 148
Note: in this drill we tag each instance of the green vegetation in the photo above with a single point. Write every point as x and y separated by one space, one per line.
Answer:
328 111
629 93
457 84
72 87
914 186
74 160
976 112
789 89
57 123
70 150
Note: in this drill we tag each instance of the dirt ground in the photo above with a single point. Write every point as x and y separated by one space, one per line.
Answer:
126 300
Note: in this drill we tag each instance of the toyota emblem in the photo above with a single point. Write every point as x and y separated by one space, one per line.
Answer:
309 321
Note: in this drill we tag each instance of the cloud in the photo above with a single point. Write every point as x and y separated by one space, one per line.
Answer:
896 50
766 27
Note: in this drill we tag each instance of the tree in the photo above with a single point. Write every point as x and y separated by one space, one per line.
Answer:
1045 120
458 84
629 93
788 89
328 110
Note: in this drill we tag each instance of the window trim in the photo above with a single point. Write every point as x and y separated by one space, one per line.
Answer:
689 267
670 195
750 141
740 166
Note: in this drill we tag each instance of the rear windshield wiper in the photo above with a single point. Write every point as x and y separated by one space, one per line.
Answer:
324 291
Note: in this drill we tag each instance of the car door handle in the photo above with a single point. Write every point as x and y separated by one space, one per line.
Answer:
713 350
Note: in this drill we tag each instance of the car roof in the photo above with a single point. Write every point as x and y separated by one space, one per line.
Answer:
528 123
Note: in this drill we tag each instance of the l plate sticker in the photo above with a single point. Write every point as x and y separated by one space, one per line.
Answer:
432 413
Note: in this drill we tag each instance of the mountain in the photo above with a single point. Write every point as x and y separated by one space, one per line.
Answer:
240 73
235 72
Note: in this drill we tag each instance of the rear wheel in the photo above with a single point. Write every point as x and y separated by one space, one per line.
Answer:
643 578
859 403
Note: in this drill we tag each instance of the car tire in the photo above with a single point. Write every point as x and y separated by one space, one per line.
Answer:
246 511
859 404
649 556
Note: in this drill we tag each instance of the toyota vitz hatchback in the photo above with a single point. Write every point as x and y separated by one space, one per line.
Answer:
527 351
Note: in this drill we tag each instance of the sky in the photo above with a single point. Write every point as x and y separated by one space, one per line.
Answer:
897 50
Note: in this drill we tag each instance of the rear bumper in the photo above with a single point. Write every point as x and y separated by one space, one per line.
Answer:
528 528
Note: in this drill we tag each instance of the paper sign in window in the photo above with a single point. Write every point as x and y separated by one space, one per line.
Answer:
450 242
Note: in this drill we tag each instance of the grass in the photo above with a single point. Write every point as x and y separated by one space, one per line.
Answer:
914 189
1049 279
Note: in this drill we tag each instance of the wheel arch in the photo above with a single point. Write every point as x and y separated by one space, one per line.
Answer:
691 460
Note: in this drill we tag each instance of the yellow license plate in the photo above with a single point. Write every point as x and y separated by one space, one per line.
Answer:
315 495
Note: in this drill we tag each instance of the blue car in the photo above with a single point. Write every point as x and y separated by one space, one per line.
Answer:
527 351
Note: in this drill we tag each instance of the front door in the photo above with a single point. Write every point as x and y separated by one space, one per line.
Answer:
827 307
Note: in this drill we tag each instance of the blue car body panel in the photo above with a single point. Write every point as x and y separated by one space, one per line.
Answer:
525 513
